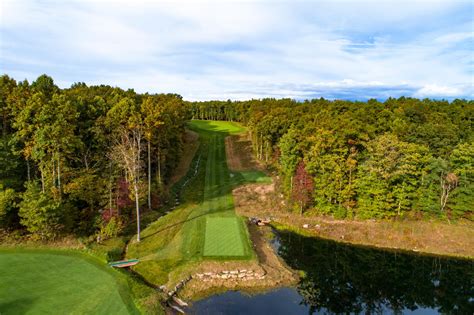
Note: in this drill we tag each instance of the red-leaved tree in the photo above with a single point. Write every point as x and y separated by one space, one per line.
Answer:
302 187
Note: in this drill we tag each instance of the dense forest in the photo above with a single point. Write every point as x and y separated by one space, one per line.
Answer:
83 160
399 158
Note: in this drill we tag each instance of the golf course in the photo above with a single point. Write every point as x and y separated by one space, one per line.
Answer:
204 226
60 282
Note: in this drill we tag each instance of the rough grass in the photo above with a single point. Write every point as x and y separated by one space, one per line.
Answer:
178 239
223 237
59 282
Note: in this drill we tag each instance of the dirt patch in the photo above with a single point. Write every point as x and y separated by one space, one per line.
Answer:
256 200
191 144
238 149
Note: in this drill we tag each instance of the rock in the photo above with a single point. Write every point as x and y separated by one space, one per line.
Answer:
208 273
305 226
233 272
225 272
241 275
249 272
243 271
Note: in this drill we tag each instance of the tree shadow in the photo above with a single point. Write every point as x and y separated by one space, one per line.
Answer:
189 219
18 306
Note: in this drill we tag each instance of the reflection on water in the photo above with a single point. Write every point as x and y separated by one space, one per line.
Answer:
349 279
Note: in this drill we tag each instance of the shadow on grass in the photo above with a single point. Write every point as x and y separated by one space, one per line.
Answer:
217 210
18 306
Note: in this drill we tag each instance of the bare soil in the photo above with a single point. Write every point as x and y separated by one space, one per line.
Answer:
238 149
191 144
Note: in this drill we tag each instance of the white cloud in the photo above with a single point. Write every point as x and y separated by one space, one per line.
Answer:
433 90
243 49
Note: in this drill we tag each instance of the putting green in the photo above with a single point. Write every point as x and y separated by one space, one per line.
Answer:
53 282
223 237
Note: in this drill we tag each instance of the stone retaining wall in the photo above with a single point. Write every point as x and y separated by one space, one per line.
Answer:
241 275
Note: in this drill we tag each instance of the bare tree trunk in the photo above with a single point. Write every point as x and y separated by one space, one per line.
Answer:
159 167
149 175
54 172
138 210
42 179
110 185
28 169
59 176
127 153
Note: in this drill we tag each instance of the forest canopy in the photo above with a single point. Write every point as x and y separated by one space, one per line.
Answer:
401 157
74 160
79 160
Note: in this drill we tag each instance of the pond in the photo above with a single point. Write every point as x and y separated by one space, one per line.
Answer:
340 278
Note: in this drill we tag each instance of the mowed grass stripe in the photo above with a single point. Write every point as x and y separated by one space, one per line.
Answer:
223 237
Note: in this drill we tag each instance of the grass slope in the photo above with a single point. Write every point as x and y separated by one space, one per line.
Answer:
50 282
182 236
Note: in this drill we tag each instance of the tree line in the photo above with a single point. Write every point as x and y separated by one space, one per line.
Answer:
349 159
83 160
86 159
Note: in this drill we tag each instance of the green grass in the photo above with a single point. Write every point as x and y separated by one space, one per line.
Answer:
184 236
59 282
257 177
212 126
223 237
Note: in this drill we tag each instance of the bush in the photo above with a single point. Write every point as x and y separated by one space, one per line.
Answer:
40 213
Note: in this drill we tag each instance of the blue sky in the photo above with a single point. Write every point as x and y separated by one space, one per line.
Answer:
246 49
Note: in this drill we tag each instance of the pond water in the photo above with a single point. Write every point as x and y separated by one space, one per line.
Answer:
349 279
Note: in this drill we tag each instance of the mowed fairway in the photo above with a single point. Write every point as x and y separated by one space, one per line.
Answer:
47 282
205 225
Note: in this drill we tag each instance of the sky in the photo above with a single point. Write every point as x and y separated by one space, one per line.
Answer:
241 50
